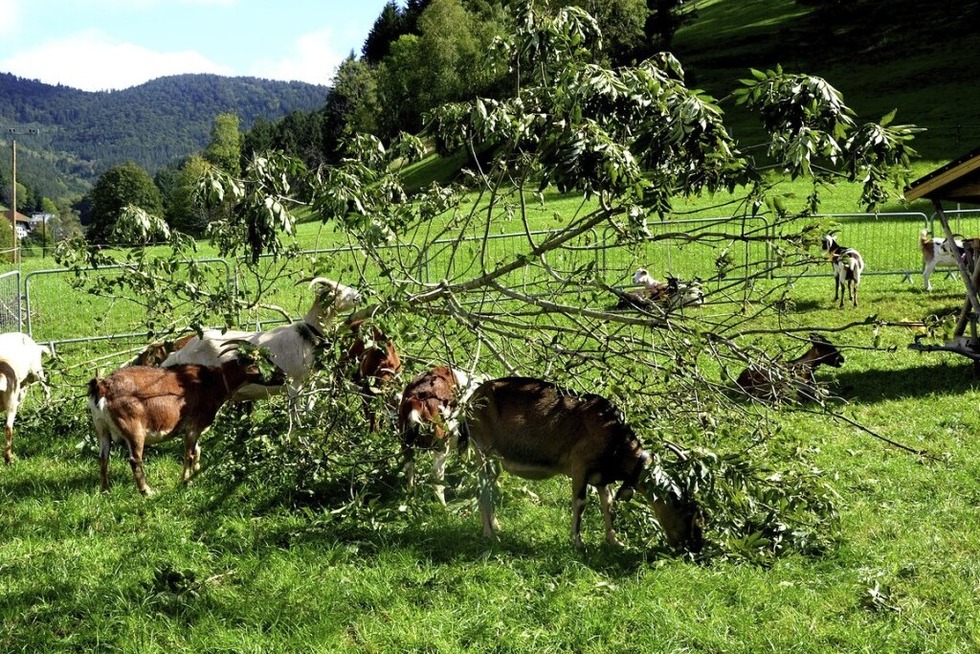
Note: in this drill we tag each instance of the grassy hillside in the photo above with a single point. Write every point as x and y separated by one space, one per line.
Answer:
916 57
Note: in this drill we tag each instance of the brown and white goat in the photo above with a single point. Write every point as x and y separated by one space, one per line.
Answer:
848 266
428 420
20 366
376 367
797 379
539 430
140 405
936 252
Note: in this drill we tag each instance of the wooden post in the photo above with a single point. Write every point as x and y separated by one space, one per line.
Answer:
13 201
968 279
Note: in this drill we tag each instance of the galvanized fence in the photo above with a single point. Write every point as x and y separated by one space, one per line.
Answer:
10 313
687 249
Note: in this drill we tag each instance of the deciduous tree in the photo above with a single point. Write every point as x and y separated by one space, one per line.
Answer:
120 186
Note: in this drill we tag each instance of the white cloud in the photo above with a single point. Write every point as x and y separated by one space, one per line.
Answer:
313 58
9 16
92 61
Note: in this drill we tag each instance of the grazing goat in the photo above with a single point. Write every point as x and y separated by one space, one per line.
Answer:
376 367
292 347
156 353
848 265
798 378
140 405
539 430
20 366
936 252
428 418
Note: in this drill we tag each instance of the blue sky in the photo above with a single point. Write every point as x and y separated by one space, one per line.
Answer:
98 45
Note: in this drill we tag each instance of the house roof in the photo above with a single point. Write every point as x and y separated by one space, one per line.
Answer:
957 181
21 218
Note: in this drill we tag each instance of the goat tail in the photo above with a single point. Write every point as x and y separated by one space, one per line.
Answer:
96 390
8 378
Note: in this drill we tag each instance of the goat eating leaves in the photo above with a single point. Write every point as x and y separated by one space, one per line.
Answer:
539 430
139 405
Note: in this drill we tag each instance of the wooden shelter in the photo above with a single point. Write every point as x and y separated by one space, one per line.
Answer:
957 181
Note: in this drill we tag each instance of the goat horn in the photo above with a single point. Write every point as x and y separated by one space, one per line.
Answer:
232 344
677 450
322 280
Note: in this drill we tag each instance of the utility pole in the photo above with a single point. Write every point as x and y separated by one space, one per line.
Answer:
13 132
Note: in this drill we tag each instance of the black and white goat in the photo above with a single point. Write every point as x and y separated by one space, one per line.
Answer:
292 347
539 430
848 266
937 252
20 366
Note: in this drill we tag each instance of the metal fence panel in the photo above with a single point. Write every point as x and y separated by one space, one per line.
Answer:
11 319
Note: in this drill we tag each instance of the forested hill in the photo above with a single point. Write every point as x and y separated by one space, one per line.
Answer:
82 133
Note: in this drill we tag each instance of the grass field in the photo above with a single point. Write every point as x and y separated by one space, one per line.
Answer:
236 562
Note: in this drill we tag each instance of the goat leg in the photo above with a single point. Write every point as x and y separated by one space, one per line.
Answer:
439 474
8 449
605 500
579 493
136 463
488 482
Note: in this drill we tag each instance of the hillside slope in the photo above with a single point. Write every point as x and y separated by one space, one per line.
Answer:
914 56
83 133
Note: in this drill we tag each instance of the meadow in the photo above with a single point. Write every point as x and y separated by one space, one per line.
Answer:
233 563
222 565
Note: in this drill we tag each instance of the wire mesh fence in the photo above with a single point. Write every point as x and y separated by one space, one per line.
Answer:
58 309
10 311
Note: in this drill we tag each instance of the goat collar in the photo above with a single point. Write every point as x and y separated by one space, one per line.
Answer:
311 333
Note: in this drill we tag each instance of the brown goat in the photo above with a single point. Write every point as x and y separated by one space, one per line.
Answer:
156 353
799 379
140 406
539 430
376 367
427 419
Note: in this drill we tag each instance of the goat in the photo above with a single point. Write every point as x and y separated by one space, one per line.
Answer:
292 347
769 384
141 405
936 252
539 430
156 353
376 366
848 265
671 294
428 419
20 366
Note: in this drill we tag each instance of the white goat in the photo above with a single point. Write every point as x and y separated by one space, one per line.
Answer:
291 347
20 365
936 252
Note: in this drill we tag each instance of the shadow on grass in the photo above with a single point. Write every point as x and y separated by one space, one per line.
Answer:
871 386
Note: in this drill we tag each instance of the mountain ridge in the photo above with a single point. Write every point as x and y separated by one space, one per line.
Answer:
82 133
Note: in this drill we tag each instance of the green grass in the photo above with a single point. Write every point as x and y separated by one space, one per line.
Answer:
225 564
